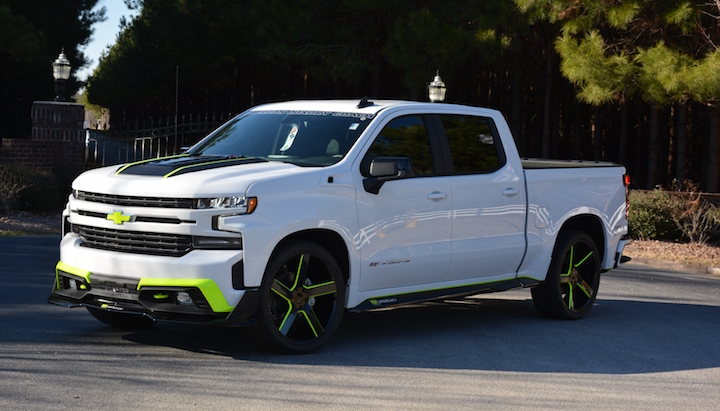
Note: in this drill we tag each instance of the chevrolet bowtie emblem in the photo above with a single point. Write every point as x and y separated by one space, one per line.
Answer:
118 218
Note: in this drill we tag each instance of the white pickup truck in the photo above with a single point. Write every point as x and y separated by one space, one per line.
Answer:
293 212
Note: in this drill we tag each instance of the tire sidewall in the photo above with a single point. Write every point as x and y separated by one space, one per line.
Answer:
267 330
548 296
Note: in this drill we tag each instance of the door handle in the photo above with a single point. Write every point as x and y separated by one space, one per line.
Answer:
437 196
511 192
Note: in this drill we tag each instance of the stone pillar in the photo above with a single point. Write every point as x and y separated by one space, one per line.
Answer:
58 121
58 137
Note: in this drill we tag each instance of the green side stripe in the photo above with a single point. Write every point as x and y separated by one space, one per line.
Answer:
380 297
208 287
177 170
126 166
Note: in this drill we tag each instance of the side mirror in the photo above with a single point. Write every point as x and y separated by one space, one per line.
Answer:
384 169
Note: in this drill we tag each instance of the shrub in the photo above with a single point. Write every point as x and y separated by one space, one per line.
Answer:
29 189
649 217
672 215
696 219
11 184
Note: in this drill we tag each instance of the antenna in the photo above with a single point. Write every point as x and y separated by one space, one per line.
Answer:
365 103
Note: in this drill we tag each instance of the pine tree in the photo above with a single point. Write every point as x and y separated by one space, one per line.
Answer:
663 51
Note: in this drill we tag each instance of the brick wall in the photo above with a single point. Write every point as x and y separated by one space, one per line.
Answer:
58 137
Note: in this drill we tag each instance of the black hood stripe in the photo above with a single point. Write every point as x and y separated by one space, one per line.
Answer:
177 165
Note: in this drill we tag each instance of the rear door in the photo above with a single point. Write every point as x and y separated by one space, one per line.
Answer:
488 200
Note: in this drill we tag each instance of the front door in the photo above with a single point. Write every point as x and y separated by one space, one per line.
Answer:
405 229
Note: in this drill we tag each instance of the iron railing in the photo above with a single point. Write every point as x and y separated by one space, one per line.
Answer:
108 147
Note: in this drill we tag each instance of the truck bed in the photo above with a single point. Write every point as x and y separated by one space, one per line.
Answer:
538 163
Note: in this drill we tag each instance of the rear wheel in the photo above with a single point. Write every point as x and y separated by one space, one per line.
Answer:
302 299
128 321
573 278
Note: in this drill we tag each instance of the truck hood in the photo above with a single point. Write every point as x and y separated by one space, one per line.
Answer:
183 177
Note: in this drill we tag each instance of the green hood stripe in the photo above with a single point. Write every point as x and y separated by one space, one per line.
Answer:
172 166
211 164
149 160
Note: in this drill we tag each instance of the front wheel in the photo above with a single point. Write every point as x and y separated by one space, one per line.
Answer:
572 280
302 299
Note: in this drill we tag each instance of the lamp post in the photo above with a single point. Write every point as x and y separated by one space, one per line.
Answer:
436 89
61 73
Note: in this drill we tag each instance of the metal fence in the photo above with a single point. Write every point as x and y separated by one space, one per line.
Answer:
107 147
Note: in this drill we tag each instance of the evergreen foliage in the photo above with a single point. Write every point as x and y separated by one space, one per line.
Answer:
631 81
32 34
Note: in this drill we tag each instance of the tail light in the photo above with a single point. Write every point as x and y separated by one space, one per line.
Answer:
626 183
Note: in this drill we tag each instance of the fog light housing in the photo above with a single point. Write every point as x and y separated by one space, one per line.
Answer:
218 243
183 298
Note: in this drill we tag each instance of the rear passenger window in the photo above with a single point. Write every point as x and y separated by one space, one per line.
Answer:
474 144
404 137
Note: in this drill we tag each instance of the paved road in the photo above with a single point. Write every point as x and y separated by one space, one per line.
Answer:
652 342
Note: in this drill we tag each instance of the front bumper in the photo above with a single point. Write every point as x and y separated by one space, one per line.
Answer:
161 299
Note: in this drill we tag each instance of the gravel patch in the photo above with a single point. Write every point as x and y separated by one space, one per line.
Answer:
21 223
693 254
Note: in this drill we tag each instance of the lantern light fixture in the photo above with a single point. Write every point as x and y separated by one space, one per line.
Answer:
61 73
436 89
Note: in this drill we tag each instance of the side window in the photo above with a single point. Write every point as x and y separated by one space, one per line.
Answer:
403 137
474 144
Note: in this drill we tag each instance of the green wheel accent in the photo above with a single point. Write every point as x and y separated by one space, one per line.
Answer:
573 278
208 287
301 299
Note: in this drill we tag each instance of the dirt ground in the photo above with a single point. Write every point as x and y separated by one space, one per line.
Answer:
20 223
694 254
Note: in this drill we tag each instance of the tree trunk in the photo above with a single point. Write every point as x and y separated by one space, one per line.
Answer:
577 140
713 170
623 130
680 141
548 99
652 154
516 98
597 133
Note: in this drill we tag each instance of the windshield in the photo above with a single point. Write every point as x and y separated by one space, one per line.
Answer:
317 138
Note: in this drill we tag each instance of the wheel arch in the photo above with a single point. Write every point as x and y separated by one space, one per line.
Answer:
590 225
328 239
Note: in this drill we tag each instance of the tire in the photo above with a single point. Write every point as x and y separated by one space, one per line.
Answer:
569 290
302 299
127 321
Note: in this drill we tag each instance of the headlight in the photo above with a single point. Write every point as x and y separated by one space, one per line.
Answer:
245 205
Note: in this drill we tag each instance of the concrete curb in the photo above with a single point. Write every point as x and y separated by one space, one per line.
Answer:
673 266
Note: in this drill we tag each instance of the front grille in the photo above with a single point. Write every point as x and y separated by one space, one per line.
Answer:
138 219
171 245
157 202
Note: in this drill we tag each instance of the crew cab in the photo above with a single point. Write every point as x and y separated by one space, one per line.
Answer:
292 213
